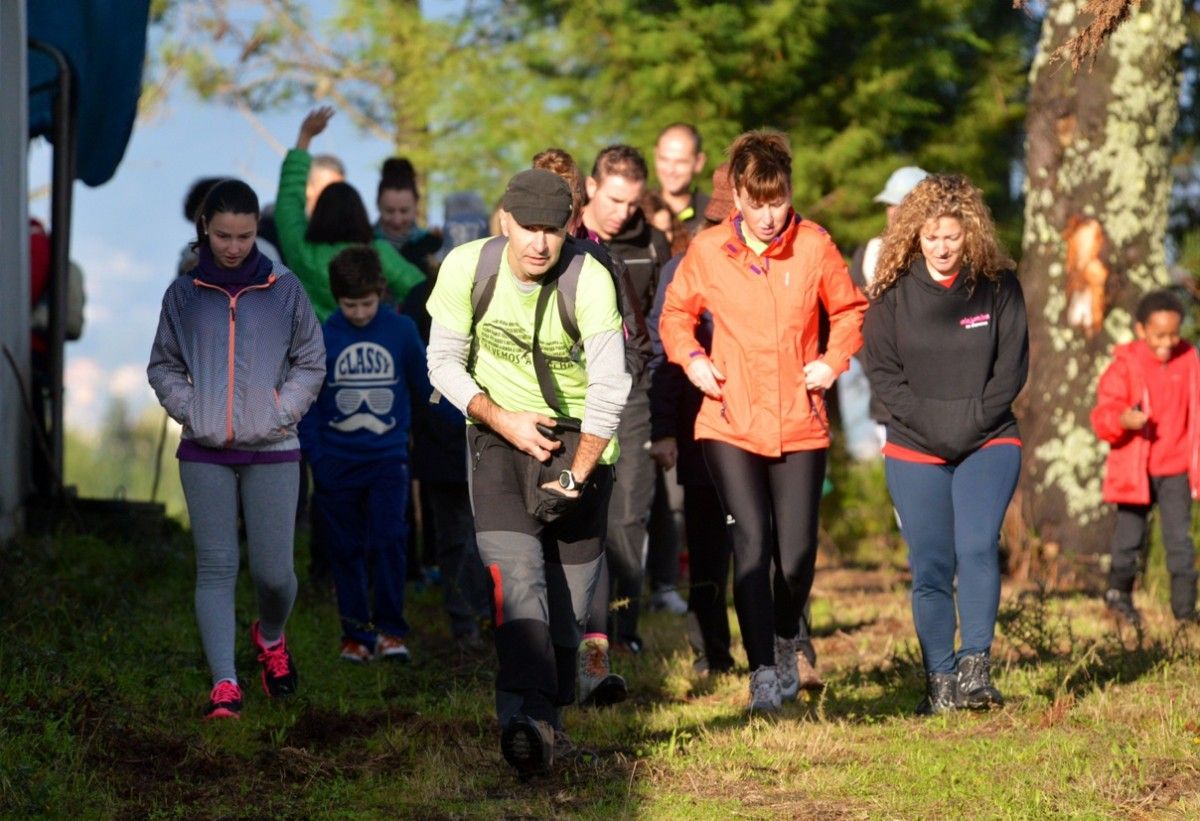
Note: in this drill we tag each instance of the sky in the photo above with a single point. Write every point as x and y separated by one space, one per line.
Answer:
127 233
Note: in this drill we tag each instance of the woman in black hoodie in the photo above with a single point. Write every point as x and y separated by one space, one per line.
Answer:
947 352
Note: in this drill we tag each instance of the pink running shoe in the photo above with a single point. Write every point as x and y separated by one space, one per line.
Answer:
278 670
225 701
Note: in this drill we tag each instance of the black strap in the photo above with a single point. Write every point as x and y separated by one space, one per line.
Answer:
486 271
541 365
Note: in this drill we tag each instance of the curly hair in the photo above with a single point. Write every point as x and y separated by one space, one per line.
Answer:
563 164
940 195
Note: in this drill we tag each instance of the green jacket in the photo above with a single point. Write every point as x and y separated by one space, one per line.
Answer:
309 261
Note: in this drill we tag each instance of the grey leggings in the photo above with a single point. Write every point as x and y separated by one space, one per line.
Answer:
268 494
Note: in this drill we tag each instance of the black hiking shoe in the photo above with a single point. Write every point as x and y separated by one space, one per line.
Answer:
975 690
941 695
528 745
1120 604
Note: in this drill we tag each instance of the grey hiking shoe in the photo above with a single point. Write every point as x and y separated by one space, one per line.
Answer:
599 686
786 669
764 691
941 695
528 745
1121 605
975 690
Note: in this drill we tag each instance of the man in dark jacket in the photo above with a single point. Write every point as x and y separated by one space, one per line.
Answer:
614 188
678 160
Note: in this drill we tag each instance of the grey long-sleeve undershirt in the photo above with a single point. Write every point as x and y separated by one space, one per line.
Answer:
607 386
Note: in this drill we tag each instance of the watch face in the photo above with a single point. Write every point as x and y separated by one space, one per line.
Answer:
565 480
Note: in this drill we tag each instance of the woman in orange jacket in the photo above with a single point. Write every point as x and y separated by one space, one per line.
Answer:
763 274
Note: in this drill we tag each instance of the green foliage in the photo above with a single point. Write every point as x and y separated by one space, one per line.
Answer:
857 517
861 86
119 462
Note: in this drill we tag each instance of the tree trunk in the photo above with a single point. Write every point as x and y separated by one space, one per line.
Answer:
1097 190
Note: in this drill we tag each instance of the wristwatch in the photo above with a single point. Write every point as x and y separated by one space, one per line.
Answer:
566 480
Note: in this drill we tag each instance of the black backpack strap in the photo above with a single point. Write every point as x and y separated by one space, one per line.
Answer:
541 365
567 287
486 271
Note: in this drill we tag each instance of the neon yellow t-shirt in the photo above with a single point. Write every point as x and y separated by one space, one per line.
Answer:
501 360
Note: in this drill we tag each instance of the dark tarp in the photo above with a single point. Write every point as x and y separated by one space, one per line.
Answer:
105 43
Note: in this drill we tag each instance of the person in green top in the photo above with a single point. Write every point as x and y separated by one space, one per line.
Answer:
543 570
339 219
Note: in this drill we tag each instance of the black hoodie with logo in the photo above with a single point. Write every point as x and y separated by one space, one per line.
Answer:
947 363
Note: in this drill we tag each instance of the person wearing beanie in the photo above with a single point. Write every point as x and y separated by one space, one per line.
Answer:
540 471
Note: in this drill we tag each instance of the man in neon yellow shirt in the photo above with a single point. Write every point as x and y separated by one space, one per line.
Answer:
543 573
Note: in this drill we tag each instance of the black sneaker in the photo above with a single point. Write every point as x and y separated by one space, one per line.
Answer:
941 695
975 690
1121 605
528 745
278 670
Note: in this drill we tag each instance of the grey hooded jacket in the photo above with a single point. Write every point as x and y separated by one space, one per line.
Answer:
238 371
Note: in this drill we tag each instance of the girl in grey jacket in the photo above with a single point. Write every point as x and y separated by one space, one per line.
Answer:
237 360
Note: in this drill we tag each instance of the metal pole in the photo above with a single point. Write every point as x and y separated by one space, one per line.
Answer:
60 246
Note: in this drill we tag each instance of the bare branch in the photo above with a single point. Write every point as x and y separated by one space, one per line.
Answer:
255 123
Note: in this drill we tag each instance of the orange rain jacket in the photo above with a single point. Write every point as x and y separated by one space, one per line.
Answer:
765 326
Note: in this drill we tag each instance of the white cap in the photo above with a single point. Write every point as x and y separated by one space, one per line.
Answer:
900 183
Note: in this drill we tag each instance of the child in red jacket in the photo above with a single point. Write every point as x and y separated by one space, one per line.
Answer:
1148 410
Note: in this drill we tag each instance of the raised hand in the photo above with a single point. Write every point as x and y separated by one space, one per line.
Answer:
314 123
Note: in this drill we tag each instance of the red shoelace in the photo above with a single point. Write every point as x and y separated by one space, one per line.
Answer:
226 691
276 659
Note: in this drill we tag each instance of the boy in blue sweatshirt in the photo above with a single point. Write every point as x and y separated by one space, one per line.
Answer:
358 435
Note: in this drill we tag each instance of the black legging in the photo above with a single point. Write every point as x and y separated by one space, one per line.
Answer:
759 491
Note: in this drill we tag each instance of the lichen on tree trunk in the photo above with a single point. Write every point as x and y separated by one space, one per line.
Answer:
1097 148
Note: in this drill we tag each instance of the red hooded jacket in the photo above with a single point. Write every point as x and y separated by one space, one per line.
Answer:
1123 385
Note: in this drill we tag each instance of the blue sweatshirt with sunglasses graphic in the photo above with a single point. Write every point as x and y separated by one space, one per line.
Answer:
374 377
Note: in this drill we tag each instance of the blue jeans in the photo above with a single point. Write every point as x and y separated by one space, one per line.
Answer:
950 516
362 505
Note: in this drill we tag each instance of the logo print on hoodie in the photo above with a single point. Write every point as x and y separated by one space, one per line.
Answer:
976 321
364 375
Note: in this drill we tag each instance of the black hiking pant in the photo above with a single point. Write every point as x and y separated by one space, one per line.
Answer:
543 577
1174 499
774 503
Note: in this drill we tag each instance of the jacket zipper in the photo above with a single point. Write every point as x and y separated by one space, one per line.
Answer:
232 337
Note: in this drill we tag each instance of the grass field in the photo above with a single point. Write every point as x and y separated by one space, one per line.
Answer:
102 682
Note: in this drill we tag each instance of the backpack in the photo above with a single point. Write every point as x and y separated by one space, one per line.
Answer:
566 283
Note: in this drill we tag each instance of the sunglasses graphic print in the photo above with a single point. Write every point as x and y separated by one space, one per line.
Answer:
363 377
